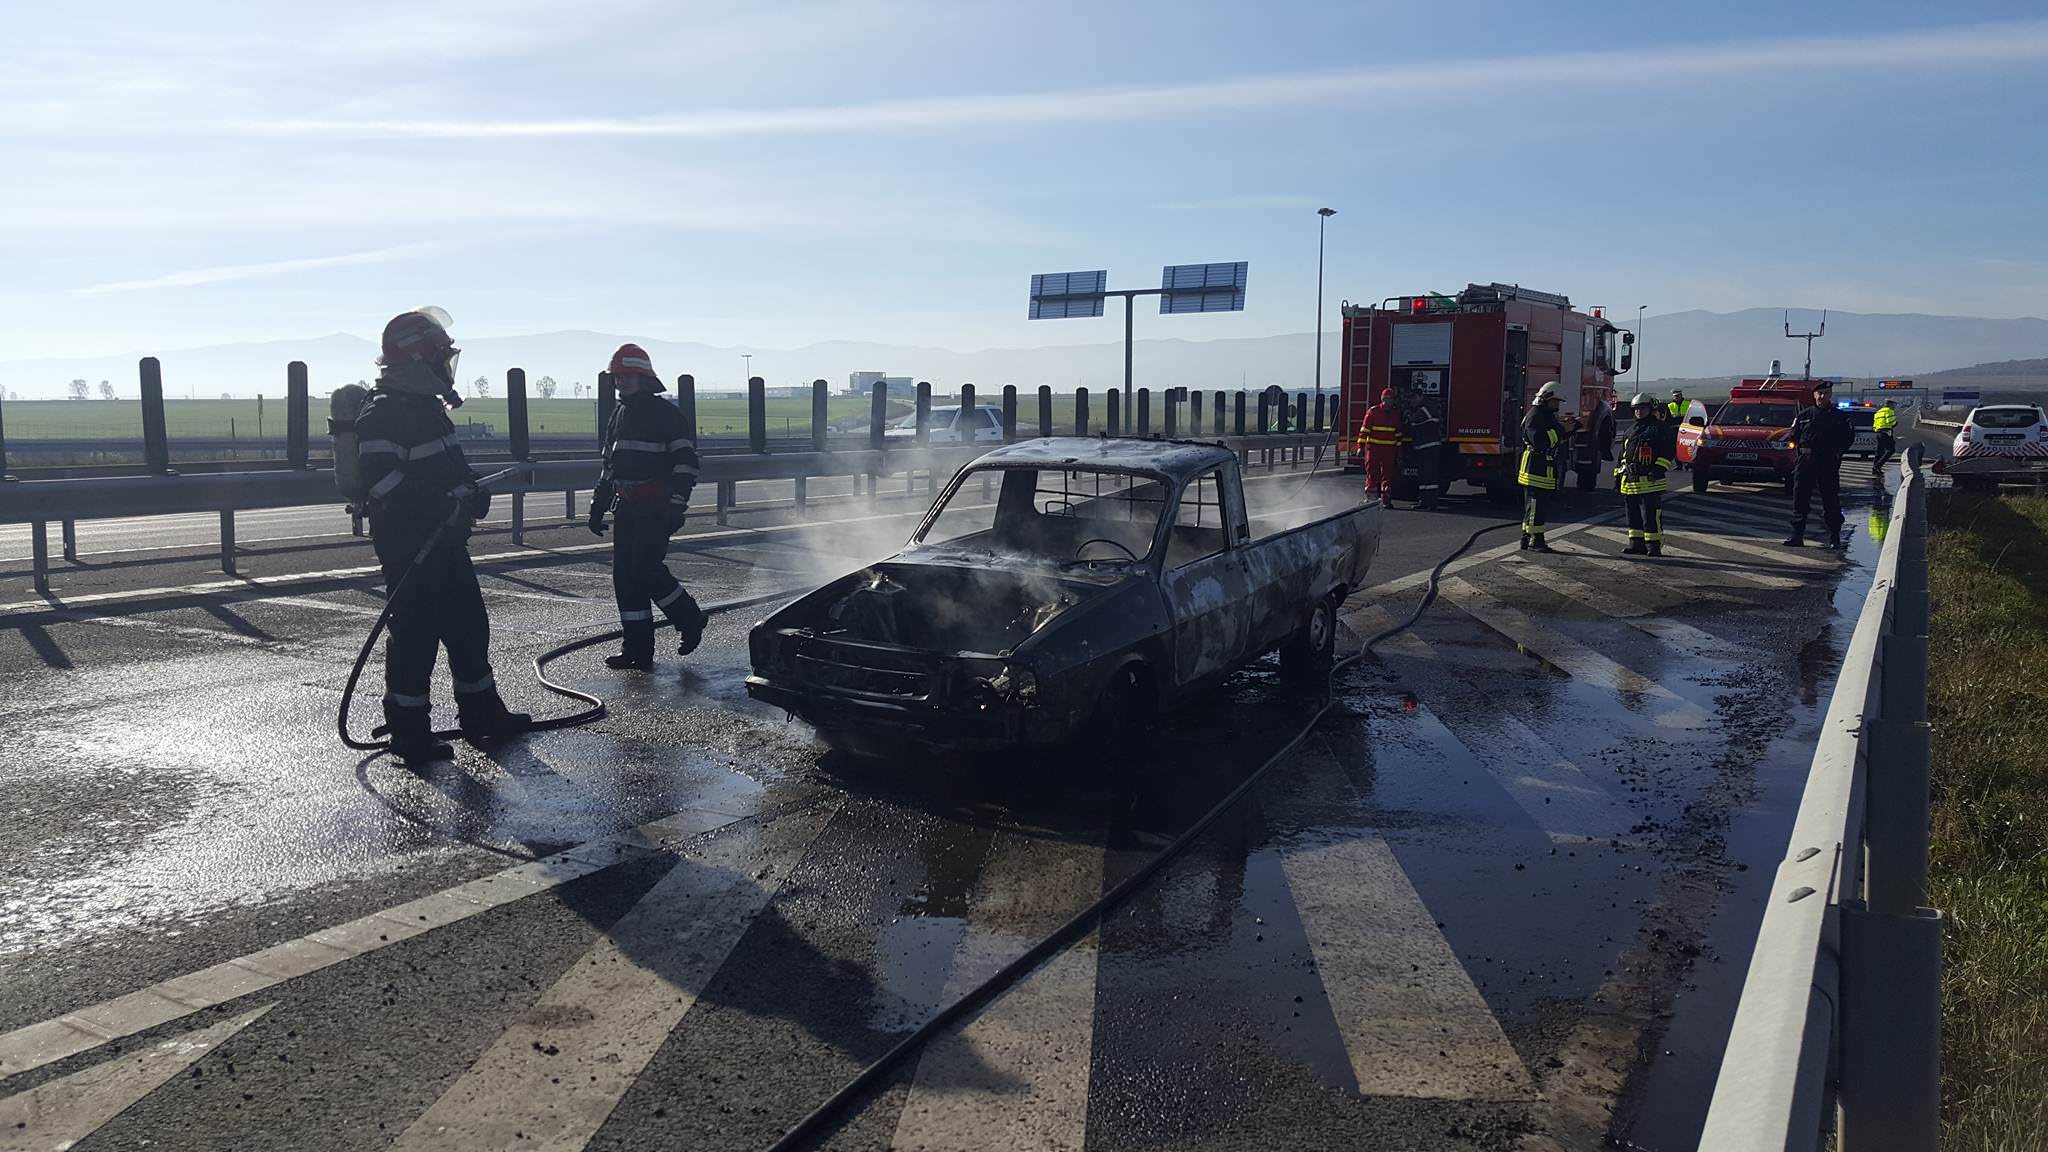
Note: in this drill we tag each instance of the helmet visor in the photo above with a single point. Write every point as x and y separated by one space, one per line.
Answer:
448 369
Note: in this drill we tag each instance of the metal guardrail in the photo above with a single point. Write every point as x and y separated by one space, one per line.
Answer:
1839 1025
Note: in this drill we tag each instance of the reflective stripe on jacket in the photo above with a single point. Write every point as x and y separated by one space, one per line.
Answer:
1382 426
1542 436
648 451
1646 456
412 465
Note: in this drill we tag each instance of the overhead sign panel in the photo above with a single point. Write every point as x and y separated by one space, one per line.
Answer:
1954 397
1060 295
1202 288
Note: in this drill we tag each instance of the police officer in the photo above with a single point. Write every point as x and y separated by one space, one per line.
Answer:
1821 434
1676 409
1544 443
1425 436
419 483
650 466
1885 422
1646 456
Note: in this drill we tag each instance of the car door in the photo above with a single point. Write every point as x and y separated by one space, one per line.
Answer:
1691 431
1208 593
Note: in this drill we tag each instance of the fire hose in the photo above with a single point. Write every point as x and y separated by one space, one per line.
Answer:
822 1118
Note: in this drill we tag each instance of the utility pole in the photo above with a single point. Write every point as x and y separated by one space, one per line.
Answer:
1809 337
1639 346
1322 218
749 358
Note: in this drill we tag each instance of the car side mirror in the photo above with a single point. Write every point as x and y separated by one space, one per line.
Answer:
1696 421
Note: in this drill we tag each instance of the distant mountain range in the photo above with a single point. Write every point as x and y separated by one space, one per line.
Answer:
1682 345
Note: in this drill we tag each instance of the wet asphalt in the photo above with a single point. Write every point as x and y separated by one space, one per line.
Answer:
1500 897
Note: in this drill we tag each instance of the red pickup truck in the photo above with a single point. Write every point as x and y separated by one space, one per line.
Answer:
1750 438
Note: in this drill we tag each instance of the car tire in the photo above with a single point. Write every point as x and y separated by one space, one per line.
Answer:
1306 656
1699 477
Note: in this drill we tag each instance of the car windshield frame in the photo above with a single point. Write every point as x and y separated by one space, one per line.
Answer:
2033 417
1070 494
1722 418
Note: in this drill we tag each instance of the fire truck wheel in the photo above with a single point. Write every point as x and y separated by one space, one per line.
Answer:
1699 477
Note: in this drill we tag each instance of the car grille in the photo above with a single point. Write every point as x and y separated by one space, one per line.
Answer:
866 670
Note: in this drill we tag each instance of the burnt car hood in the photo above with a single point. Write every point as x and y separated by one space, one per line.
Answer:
942 601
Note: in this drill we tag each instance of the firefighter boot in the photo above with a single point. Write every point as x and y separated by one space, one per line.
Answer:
411 735
627 662
1536 544
1798 537
1656 548
484 717
691 630
1636 547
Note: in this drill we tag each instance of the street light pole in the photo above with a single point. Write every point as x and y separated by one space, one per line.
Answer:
749 358
1322 218
1639 346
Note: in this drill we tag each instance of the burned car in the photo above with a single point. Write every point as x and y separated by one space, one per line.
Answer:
1058 587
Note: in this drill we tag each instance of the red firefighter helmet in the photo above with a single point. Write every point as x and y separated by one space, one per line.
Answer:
420 336
1386 395
632 360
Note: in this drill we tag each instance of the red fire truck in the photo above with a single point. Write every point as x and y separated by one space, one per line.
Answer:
1475 360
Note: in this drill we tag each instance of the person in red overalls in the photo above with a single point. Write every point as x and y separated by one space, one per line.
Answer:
1381 436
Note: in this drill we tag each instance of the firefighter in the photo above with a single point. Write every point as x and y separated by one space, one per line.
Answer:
1885 422
1646 457
1424 434
1381 435
1676 409
650 466
1544 443
417 481
1821 434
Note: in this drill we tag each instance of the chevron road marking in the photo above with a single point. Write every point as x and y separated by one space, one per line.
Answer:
1784 557
1017 1074
552 1079
1723 571
64 1111
35 1045
1581 662
1637 616
1412 1022
1373 619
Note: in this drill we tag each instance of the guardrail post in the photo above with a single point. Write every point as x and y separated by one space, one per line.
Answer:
569 504
607 399
518 426
1045 409
686 403
821 420
924 412
1080 411
963 424
1240 413
801 490
1009 413
725 499
1888 1092
1319 412
878 420
156 447
1195 412
39 555
1265 413
227 541
297 414
757 414
1300 412
1144 411
1112 418
70 538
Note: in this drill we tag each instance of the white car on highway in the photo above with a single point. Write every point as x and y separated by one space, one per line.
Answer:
945 426
2003 430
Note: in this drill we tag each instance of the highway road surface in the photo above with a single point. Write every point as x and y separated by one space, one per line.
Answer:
1499 898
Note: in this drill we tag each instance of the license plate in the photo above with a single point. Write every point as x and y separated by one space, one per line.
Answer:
1742 455
2005 437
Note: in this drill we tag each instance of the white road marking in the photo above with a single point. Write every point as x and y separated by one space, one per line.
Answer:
1774 554
54 1116
1637 616
1015 1076
35 1045
1722 515
1581 662
552 1079
1412 1022
1373 619
223 634
1723 571
1474 559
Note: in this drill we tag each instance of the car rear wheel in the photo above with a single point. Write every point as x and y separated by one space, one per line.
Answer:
1699 477
1306 656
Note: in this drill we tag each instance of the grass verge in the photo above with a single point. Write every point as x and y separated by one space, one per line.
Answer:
1988 701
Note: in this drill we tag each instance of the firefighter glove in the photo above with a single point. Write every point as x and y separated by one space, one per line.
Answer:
596 519
678 512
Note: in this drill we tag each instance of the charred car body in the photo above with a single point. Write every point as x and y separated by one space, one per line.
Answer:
1058 586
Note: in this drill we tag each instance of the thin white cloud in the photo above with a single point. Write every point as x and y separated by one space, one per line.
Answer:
1978 45
230 272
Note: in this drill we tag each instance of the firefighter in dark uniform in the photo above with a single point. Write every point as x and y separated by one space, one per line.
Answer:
1646 458
1822 434
1545 441
650 466
417 482
1424 434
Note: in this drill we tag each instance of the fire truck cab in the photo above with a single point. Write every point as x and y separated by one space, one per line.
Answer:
1475 360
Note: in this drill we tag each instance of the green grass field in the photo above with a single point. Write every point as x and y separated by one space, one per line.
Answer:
721 415
1988 702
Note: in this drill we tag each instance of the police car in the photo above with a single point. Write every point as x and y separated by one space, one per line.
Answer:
2003 430
1862 414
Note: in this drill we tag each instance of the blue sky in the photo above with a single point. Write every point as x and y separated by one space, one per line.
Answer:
777 174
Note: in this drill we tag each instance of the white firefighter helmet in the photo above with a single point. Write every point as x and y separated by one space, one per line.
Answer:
1548 393
1643 400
